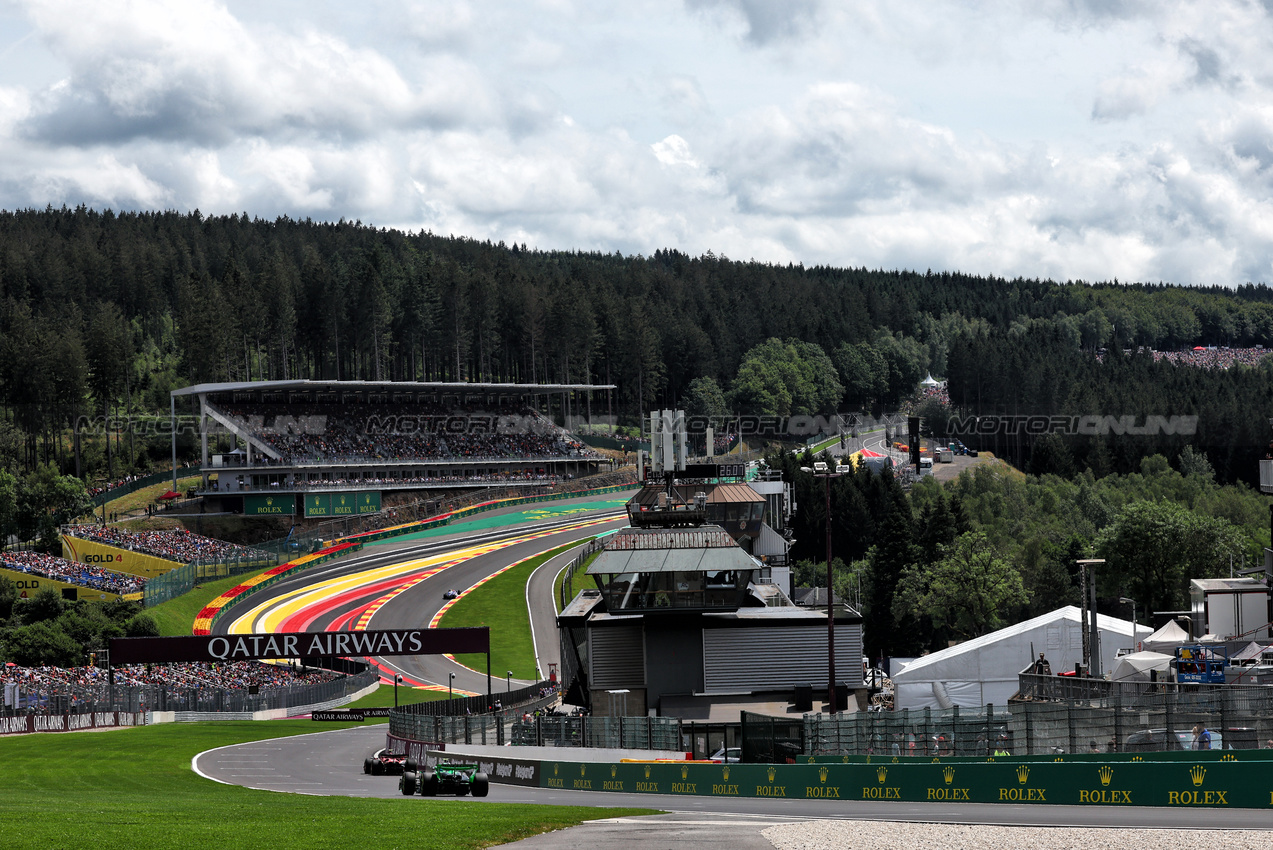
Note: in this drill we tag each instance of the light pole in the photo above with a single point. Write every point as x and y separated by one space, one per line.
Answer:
821 470
509 677
1126 600
397 677
450 686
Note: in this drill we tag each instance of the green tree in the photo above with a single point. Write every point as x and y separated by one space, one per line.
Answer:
780 378
1153 549
143 625
967 591
46 605
704 397
47 497
39 645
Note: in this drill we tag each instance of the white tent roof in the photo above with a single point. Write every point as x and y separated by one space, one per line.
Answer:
1166 639
1136 667
930 381
984 669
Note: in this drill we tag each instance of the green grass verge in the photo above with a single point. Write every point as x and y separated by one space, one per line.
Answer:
501 605
175 617
134 788
139 499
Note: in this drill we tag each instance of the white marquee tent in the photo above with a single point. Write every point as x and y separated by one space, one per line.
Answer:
1137 666
1166 639
984 670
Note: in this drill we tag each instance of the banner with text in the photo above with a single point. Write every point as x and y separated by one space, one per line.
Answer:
269 505
213 648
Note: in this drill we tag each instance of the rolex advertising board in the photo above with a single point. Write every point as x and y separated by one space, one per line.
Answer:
318 505
269 505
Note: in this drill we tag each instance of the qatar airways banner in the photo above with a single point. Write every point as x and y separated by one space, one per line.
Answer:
213 648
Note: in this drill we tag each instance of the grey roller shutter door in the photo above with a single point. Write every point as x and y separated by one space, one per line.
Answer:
616 656
755 659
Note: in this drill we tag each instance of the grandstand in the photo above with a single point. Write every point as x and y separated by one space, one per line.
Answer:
323 449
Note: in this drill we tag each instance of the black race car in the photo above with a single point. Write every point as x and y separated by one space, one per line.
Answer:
384 764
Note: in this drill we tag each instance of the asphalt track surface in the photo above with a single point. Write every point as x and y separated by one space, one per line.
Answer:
400 586
330 764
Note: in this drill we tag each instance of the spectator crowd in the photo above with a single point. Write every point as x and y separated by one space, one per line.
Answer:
37 684
1213 358
60 569
178 545
361 432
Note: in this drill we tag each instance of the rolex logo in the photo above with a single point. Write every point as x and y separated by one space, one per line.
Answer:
772 772
647 771
685 772
1107 773
1023 773
582 769
269 500
881 773
822 774
1197 773
726 773
810 759
556 767
1228 757
613 771
948 774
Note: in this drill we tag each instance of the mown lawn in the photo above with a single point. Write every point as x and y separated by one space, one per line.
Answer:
134 788
501 605
383 697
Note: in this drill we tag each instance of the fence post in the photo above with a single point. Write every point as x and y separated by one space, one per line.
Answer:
1069 714
990 717
1029 729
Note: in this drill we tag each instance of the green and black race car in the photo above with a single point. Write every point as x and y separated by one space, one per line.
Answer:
458 779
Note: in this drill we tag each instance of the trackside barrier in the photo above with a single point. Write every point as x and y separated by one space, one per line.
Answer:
23 724
213 610
1208 780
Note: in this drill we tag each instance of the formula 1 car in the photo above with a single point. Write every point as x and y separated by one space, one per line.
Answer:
384 764
457 779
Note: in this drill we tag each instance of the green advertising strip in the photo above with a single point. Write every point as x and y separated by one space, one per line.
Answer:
1213 784
269 505
318 505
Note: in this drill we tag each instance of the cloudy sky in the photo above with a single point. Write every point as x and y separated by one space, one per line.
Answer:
1086 139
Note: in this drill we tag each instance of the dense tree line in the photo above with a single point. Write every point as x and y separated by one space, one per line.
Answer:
46 630
998 546
102 313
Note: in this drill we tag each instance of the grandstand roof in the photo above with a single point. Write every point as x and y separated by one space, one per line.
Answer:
381 386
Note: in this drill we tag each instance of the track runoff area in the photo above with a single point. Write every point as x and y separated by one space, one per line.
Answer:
384 599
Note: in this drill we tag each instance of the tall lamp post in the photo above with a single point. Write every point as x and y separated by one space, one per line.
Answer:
1127 600
450 685
509 677
397 677
823 471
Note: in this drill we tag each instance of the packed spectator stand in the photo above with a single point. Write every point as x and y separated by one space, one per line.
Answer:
336 433
178 545
83 575
1213 358
42 687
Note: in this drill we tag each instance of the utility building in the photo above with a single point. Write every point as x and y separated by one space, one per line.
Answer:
682 618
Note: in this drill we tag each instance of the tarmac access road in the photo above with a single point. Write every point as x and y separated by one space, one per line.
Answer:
330 763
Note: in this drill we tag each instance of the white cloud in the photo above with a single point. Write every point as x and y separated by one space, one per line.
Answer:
1064 138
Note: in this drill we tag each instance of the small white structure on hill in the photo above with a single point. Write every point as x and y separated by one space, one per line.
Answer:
984 670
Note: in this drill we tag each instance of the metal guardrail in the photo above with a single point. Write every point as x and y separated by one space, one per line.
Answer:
567 591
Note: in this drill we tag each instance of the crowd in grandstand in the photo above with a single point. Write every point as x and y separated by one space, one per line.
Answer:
178 545
406 432
60 569
40 683
1214 358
